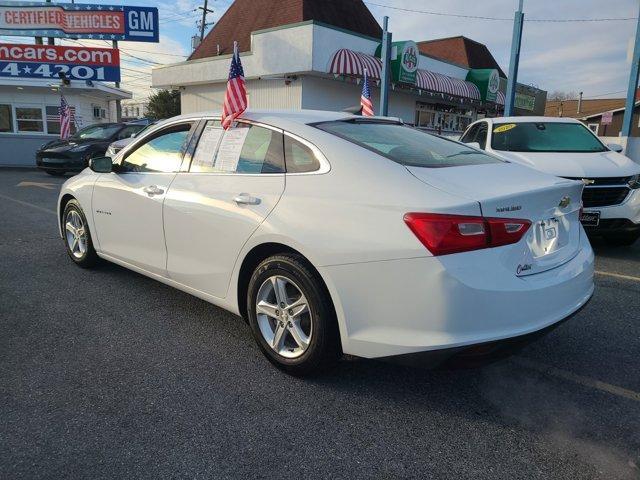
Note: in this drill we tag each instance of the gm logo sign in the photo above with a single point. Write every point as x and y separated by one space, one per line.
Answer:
142 24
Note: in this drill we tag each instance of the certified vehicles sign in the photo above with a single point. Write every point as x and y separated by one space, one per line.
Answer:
48 61
79 20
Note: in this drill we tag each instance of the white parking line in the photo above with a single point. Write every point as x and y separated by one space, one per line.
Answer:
584 381
27 204
618 275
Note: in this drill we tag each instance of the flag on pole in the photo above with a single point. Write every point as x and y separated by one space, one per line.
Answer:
235 99
365 98
65 118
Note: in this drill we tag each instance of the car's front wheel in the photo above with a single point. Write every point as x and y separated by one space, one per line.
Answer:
291 315
77 235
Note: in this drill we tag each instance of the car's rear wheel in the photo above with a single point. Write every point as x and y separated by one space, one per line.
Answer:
622 239
291 315
55 173
77 236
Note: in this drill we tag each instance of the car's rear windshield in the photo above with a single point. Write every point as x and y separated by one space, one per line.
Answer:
406 145
544 137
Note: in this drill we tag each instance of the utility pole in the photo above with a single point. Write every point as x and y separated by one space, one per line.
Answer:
580 102
203 24
514 62
633 85
114 44
385 55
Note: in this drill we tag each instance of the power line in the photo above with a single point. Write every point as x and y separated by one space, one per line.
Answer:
480 17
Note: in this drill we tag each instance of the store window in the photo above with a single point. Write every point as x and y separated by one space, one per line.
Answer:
6 118
29 119
53 120
442 117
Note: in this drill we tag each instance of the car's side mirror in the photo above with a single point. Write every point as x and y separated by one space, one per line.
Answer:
474 145
101 164
615 147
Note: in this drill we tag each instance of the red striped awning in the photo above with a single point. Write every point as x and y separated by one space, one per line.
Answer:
349 62
500 98
437 82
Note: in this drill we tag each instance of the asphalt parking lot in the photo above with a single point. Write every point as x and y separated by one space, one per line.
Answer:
108 374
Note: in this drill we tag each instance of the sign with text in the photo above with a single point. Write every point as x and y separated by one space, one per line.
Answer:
48 61
102 22
607 118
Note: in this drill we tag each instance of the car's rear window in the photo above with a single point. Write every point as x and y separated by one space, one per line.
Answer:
406 145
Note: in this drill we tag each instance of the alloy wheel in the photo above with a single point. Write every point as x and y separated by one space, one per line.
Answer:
76 234
284 317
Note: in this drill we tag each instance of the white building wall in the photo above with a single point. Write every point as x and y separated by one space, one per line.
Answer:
328 94
270 93
18 148
287 50
274 52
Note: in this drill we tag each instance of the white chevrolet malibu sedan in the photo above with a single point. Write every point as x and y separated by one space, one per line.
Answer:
331 233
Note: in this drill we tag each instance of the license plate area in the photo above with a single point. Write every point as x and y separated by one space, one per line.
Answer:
590 219
549 236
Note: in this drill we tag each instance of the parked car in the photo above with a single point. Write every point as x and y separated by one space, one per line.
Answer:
332 233
566 148
72 155
118 145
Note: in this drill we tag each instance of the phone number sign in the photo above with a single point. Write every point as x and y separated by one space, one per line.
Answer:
102 22
49 61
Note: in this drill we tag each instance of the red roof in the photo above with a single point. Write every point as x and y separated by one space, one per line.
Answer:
462 51
246 16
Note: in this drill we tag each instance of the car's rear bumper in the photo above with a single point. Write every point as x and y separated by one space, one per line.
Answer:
477 354
400 307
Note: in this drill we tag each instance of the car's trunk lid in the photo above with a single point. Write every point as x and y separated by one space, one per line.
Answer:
512 191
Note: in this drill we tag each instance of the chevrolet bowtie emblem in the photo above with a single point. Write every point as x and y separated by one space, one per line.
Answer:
565 202
588 181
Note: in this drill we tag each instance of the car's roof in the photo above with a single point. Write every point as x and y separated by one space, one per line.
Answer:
293 121
534 120
275 117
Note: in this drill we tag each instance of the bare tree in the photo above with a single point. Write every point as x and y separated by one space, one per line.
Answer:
562 95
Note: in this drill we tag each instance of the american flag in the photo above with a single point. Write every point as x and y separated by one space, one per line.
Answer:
365 98
65 118
235 100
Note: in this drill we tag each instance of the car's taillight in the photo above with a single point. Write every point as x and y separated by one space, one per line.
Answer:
445 234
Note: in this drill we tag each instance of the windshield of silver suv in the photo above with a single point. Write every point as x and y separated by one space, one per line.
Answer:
406 145
544 137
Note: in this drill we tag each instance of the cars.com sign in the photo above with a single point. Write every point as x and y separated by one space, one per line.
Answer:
102 22
48 61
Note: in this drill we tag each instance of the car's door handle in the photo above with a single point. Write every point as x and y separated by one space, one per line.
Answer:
246 199
152 190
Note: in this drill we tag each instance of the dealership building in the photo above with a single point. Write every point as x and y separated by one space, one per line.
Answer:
312 54
29 113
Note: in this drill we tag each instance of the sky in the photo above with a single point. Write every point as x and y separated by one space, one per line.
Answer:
556 56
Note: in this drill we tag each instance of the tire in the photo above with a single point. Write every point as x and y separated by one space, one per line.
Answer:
55 173
79 247
309 340
621 239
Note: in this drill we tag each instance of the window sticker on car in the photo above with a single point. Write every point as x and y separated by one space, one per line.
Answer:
207 146
504 128
230 149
